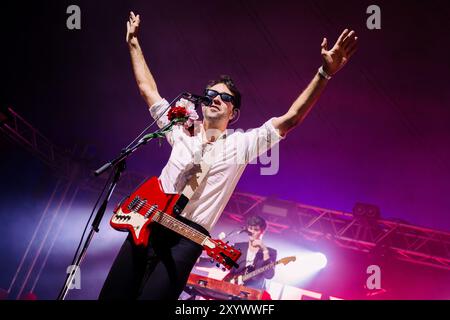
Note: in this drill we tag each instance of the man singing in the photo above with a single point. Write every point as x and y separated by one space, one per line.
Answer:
255 255
160 270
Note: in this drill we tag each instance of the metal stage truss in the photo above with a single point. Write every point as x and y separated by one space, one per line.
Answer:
404 241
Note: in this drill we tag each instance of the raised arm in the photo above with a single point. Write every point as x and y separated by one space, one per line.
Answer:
333 61
145 81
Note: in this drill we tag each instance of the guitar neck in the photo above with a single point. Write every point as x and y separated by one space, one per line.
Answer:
179 227
260 270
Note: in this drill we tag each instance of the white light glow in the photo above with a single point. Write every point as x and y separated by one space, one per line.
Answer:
303 269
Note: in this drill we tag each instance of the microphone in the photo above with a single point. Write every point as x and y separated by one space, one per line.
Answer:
244 230
196 99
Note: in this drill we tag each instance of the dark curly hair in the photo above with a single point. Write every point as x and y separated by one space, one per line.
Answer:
226 80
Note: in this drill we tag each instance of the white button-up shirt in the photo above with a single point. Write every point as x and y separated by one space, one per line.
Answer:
231 155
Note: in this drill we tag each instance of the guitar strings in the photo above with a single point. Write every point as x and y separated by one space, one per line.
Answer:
169 218
165 215
258 271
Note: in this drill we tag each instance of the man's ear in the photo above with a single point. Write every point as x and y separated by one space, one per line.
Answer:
235 115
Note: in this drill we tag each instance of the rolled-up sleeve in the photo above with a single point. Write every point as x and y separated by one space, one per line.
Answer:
160 108
157 109
259 140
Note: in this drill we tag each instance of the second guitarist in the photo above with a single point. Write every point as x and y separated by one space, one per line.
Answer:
255 254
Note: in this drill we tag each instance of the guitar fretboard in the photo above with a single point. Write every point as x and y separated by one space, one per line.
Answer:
179 227
260 270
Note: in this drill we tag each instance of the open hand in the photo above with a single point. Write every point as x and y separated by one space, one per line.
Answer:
132 27
343 49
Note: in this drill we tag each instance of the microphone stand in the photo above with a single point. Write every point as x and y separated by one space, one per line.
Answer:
237 231
118 164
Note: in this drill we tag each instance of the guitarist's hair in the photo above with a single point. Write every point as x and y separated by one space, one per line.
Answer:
257 221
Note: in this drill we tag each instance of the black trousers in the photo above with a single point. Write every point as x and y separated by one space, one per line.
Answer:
157 272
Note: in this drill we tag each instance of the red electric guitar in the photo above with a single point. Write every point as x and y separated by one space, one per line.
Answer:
149 204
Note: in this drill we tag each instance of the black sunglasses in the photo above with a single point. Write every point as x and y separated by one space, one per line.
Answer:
224 96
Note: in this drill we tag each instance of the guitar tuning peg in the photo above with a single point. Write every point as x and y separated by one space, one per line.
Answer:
217 265
211 260
224 269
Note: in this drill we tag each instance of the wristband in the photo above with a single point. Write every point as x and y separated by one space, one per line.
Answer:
324 74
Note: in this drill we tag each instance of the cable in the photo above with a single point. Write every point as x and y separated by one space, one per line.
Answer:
154 121
77 252
108 181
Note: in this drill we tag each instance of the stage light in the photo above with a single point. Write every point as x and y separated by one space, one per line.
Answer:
306 266
318 260
280 214
366 211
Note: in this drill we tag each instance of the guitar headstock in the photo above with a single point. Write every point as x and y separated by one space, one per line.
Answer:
286 260
223 253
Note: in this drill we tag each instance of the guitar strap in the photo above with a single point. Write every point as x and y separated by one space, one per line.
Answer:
199 175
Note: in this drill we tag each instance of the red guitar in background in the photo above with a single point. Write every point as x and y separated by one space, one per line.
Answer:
149 204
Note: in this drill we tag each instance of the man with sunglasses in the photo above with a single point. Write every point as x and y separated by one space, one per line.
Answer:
161 270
